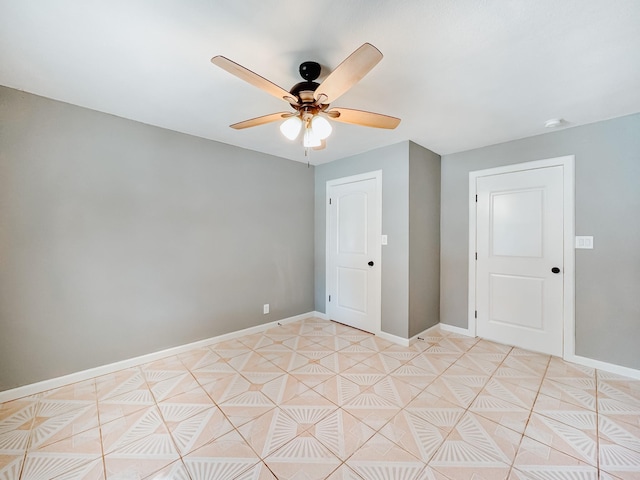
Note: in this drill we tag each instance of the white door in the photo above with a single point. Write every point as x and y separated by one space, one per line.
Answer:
519 284
353 251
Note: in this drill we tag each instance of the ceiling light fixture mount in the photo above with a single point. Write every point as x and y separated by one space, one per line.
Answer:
554 123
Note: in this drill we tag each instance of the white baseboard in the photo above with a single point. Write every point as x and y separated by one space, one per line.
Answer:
321 315
424 333
458 330
600 365
38 387
393 338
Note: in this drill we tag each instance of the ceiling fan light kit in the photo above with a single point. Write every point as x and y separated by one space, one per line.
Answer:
310 100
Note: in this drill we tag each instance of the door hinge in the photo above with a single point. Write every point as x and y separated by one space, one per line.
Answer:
476 255
329 201
329 297
476 198
476 314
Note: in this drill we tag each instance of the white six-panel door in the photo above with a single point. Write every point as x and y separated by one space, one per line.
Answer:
353 252
519 284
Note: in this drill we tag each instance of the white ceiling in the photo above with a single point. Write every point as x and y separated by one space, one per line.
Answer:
460 74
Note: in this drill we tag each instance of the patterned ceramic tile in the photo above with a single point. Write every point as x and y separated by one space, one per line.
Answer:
304 457
258 472
173 471
341 433
313 373
382 363
81 391
10 466
56 420
339 390
566 413
402 354
620 433
186 404
414 376
225 458
528 380
47 465
213 371
245 407
431 474
579 391
380 458
89 471
127 429
120 382
529 356
165 389
536 460
344 473
485 346
15 426
395 391
487 436
287 360
371 408
434 363
618 460
195 431
519 396
142 457
579 443
124 404
559 370
271 431
484 362
198 358
415 435
452 391
501 411
163 369
436 411
629 385
311 394
308 408
618 401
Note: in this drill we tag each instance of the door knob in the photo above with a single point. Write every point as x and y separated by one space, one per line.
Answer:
555 270
370 263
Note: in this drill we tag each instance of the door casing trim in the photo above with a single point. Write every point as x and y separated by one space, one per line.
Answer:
377 176
568 164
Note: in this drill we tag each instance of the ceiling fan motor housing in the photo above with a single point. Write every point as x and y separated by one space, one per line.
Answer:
310 70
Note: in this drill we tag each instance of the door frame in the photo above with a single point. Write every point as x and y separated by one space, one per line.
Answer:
377 248
568 310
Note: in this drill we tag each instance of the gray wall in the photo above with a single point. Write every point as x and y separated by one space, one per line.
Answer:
424 239
119 239
607 207
394 163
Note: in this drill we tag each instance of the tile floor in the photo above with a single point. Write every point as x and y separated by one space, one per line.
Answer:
318 400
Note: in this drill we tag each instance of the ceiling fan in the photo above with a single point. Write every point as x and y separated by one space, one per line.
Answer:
311 100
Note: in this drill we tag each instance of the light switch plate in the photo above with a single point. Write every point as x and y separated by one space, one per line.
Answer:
584 242
384 240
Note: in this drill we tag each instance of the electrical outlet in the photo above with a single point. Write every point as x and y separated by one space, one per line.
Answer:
265 308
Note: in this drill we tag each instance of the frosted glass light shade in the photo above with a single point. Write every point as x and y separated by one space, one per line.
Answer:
321 127
291 127
310 139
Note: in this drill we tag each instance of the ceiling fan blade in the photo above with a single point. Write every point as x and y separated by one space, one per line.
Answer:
254 122
360 117
252 78
348 73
